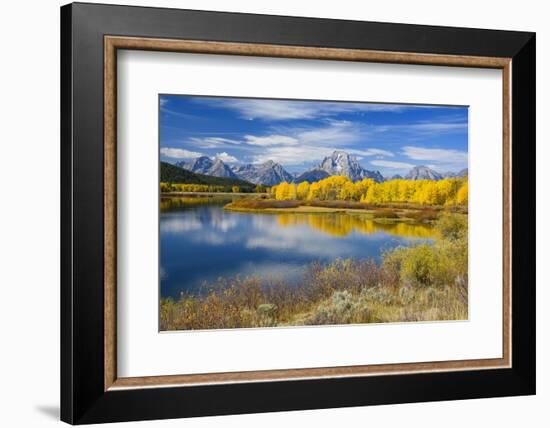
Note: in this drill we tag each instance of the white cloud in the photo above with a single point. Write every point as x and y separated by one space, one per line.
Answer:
270 140
213 142
423 128
294 110
309 153
333 134
336 133
370 152
179 153
317 142
271 109
293 155
439 127
299 145
392 164
225 157
441 155
165 110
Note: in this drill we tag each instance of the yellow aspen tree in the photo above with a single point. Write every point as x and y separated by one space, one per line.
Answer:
462 194
361 187
314 191
281 192
347 192
302 190
445 192
291 192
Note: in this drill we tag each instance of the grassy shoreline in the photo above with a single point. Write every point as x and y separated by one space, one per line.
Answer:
296 210
419 283
388 213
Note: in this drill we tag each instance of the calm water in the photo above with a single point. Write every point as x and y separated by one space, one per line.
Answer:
200 242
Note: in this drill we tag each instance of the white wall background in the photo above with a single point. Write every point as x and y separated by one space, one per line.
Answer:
29 214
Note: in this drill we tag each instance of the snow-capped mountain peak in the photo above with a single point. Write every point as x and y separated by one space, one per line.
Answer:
342 163
422 172
207 166
268 173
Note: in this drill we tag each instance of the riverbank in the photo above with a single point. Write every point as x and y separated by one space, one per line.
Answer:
381 213
212 194
301 209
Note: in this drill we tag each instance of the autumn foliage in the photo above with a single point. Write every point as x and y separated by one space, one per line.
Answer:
450 191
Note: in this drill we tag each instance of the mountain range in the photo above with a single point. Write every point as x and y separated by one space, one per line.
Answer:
312 175
460 174
422 172
271 173
205 165
174 174
268 173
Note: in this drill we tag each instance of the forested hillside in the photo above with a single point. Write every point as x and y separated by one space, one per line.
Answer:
172 174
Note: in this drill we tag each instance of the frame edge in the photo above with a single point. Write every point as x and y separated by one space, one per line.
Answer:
66 315
81 400
113 43
524 215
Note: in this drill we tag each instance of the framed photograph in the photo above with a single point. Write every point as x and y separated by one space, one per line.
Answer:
267 213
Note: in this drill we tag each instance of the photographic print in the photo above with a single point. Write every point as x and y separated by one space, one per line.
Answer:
281 213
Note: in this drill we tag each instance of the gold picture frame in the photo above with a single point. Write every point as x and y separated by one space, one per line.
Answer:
114 43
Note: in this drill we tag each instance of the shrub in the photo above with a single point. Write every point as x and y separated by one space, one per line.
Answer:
266 314
452 226
419 265
341 308
379 294
407 295
444 263
391 266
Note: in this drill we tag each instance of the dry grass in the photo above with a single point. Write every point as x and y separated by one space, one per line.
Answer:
393 211
427 214
385 213
261 204
342 292
337 204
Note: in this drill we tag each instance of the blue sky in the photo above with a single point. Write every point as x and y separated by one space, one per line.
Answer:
390 138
